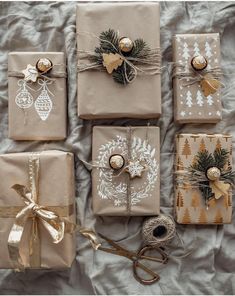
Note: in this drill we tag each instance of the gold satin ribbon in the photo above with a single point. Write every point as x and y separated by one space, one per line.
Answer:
37 214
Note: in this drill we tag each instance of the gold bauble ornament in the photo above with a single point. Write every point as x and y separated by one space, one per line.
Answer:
44 65
213 173
116 161
199 63
125 44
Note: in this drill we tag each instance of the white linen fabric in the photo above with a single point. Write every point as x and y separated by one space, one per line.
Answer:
209 269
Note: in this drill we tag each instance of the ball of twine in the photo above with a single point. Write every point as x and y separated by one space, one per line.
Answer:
158 231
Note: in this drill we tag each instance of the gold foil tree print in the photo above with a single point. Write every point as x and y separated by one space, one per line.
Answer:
218 145
180 200
180 165
186 149
218 218
195 200
186 218
202 218
202 146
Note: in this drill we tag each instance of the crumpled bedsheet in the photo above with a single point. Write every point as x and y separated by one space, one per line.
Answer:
209 267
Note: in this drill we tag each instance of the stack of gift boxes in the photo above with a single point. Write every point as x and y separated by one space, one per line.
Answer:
119 76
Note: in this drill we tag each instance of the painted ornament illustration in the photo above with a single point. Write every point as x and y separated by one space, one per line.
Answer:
23 99
143 160
43 103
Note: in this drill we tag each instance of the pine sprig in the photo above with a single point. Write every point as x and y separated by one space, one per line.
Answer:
206 160
140 49
109 43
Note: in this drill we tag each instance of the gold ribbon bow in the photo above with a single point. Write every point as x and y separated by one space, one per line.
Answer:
53 223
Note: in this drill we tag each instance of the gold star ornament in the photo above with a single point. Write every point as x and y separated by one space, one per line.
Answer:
135 169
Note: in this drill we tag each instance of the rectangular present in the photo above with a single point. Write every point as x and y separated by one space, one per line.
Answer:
126 173
55 193
195 202
191 103
37 110
99 96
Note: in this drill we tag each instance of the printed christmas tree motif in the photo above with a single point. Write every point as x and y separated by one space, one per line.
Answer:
199 99
231 150
226 201
202 218
186 149
188 99
186 218
210 137
218 218
230 201
212 203
180 200
210 100
196 49
195 137
194 161
185 51
208 50
226 138
218 145
180 165
195 200
202 146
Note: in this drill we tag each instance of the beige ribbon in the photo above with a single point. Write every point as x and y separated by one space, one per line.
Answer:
37 214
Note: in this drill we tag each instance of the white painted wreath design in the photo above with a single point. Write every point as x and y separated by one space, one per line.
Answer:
115 188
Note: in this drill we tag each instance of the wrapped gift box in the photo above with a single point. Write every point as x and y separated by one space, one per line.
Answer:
190 204
55 193
190 103
37 112
133 189
99 96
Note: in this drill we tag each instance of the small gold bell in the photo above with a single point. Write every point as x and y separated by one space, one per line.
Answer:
116 161
199 63
213 173
44 65
125 44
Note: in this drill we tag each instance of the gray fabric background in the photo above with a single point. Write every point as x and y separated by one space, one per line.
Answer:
50 26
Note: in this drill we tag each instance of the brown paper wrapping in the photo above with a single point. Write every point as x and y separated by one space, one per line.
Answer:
190 206
109 193
188 98
25 124
98 95
56 188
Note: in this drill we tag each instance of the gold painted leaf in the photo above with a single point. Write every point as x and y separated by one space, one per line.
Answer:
111 61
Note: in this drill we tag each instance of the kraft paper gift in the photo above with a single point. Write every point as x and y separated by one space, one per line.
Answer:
55 193
115 192
190 205
99 96
37 111
190 103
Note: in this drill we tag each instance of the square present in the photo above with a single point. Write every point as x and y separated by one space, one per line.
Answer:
196 78
37 98
37 210
204 178
125 174
133 55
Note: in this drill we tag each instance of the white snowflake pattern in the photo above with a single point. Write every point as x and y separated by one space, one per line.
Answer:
182 113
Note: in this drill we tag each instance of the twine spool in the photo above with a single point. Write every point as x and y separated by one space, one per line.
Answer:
158 231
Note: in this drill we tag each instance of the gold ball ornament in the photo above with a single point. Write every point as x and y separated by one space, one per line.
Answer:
116 161
199 63
44 65
125 44
213 173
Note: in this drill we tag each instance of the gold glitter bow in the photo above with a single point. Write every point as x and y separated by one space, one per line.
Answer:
52 222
